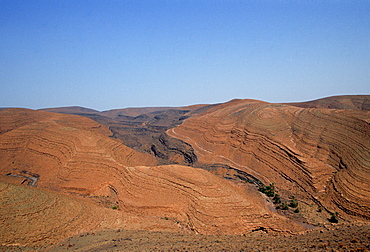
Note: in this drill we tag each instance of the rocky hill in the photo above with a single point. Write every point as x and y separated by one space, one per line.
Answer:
361 102
75 157
320 156
235 168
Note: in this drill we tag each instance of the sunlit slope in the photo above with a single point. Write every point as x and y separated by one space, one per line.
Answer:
361 102
11 119
197 200
39 218
61 148
313 154
75 155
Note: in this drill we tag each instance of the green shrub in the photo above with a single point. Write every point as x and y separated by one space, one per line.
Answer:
268 190
293 203
284 206
276 199
262 188
114 207
334 218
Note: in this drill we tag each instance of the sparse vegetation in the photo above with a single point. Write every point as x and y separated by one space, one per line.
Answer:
334 218
250 181
114 207
293 202
268 190
276 199
284 206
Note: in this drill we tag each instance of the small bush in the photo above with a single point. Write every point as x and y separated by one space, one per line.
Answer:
293 203
114 207
262 188
268 190
276 199
248 181
284 206
297 210
334 218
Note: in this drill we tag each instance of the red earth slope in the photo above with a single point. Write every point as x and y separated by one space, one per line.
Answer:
320 156
74 156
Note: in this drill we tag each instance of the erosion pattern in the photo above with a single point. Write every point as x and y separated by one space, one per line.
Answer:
57 146
92 173
143 129
361 102
318 155
38 218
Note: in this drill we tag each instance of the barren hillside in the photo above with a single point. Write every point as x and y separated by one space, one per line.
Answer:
235 168
361 102
37 218
320 156
75 156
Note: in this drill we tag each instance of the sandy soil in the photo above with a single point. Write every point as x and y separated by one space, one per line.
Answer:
332 238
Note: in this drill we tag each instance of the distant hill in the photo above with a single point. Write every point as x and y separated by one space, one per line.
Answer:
361 102
71 110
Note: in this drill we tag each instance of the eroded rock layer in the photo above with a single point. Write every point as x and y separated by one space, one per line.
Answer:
198 200
73 155
143 129
321 155
38 218
52 145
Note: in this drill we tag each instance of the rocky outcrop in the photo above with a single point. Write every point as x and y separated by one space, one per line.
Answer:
85 172
143 129
93 173
197 200
51 144
320 155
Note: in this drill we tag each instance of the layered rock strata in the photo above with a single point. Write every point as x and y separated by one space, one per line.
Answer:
321 155
106 184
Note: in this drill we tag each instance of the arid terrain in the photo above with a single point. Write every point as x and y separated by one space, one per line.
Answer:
244 175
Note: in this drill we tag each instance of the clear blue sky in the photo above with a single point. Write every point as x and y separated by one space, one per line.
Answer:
129 53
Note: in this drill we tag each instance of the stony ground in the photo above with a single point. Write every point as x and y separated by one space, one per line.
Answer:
331 238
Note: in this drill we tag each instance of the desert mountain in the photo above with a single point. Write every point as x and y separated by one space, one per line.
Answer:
319 155
198 169
361 102
71 110
143 129
74 167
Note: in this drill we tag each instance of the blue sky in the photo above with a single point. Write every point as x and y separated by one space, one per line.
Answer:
132 53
